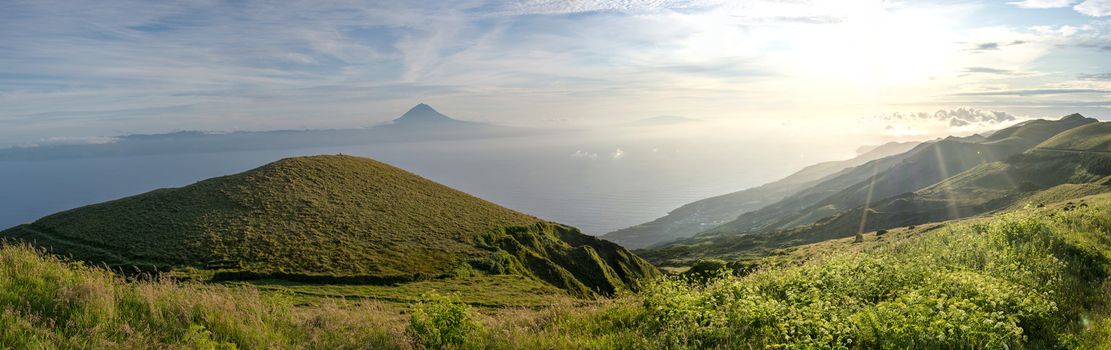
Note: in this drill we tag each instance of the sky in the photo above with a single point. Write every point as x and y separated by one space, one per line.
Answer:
82 71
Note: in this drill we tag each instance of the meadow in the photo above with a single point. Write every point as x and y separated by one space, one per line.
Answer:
1030 278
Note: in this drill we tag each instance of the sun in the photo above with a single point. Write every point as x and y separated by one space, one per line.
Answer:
878 47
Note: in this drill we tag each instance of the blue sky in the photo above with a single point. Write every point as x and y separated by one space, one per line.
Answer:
79 71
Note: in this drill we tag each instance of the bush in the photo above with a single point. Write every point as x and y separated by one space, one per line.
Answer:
1019 281
443 322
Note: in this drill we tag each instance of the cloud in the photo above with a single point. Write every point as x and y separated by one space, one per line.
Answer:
1094 8
75 140
617 154
943 122
1032 92
993 46
549 7
1042 4
1096 77
584 155
989 70
955 117
1059 31
985 47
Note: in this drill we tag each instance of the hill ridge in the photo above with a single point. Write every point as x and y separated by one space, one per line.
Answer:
692 218
983 177
339 219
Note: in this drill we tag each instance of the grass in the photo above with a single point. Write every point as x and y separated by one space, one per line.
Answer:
923 166
479 290
50 304
1033 278
332 215
1091 137
698 216
332 219
1035 177
1025 280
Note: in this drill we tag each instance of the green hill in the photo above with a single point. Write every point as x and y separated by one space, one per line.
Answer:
1039 129
701 215
1034 175
332 219
1092 137
918 168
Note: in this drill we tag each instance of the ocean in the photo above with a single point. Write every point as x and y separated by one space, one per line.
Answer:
597 182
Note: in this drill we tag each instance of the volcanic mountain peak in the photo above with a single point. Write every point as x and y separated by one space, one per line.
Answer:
423 113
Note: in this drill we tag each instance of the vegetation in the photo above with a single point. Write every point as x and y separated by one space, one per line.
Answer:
487 291
46 303
704 214
1034 278
332 219
1038 174
443 322
1091 137
343 252
921 167
1026 280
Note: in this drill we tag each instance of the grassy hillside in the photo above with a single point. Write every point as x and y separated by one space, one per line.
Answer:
1031 131
982 189
331 219
918 168
1035 278
768 216
1092 137
701 215
1031 179
1032 279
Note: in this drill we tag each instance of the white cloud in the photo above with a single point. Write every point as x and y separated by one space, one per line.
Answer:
584 154
1061 31
1042 4
580 6
945 122
77 140
962 116
1094 8
617 153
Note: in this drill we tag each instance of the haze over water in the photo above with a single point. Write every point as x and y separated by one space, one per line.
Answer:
579 178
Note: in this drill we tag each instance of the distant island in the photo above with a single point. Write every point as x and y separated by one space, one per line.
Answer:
421 122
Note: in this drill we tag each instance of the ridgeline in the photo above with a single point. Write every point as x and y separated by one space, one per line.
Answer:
332 219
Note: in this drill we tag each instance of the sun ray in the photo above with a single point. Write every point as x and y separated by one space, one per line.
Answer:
944 185
867 204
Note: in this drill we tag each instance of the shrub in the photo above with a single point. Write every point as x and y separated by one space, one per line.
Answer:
704 269
443 322
1018 281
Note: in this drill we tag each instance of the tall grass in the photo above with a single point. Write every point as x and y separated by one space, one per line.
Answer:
1018 281
46 303
1036 279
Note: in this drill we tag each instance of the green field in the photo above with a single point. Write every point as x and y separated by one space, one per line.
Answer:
1030 278
484 291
